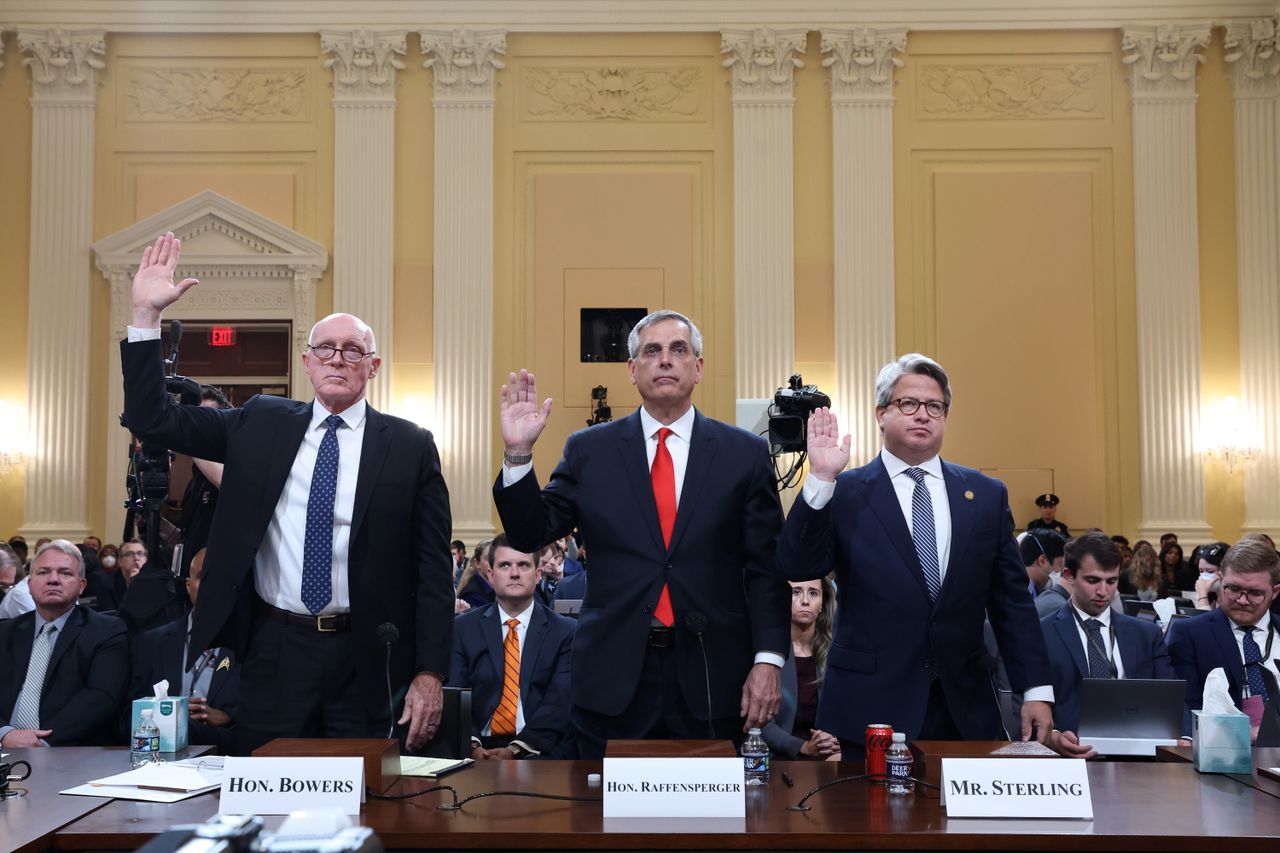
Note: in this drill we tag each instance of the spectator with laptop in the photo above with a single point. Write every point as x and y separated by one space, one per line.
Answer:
1088 639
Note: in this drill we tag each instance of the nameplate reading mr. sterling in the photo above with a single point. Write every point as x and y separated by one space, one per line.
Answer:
283 785
674 787
1022 788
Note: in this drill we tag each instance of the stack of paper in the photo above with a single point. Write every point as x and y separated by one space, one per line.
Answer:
165 782
430 768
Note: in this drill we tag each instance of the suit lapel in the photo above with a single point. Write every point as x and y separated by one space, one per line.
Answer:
285 450
66 638
702 451
23 640
495 633
220 675
533 640
1065 625
635 462
1223 634
961 523
1129 648
884 503
372 453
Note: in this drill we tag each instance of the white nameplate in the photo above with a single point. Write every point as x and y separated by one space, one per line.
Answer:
284 785
1016 787
674 787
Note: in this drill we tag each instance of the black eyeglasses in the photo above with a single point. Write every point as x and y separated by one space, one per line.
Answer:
1253 595
910 405
351 355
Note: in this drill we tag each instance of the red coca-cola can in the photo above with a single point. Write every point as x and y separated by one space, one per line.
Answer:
879 738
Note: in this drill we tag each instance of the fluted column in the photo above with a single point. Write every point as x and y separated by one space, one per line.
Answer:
64 66
763 62
862 63
1163 62
1255 76
465 63
364 67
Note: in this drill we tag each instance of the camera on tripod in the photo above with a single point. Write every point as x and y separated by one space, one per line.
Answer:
600 411
789 415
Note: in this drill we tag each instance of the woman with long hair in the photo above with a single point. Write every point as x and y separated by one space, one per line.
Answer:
1144 576
791 732
1173 568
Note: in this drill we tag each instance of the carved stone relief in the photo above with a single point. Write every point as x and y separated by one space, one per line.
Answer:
63 63
614 92
1253 50
1032 91
217 94
1163 58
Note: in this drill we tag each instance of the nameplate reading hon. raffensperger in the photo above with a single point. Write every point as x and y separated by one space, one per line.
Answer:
1016 787
284 785
674 787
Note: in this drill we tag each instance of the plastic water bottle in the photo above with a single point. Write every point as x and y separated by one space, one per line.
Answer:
897 766
755 758
145 747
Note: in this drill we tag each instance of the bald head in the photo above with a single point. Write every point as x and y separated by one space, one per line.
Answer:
370 345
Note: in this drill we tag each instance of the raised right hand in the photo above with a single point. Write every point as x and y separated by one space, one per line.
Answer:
828 454
153 287
522 418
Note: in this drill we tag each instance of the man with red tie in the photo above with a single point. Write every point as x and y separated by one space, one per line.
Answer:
682 517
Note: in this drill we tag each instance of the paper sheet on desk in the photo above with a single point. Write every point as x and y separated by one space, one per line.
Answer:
430 768
165 782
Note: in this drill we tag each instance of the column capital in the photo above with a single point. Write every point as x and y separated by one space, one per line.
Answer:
465 62
1164 58
364 64
862 61
763 61
64 63
1253 51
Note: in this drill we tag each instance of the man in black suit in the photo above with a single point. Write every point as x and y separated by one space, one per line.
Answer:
331 534
63 668
1087 639
682 515
522 711
212 685
922 549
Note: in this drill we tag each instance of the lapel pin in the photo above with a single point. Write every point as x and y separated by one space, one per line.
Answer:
225 663
968 495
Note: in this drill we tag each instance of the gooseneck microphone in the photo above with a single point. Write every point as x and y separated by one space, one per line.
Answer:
388 633
175 338
696 623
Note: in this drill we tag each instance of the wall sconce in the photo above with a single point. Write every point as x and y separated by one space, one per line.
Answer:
1230 436
15 440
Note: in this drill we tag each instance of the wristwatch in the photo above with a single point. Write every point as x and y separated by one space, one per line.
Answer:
514 459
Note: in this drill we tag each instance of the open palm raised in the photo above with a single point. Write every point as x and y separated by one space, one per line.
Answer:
522 417
153 287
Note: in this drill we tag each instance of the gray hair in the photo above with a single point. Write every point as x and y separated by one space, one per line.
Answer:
912 362
8 556
633 339
365 328
65 547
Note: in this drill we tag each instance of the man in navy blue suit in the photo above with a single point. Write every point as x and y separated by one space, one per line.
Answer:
1239 636
922 549
1087 639
682 515
522 711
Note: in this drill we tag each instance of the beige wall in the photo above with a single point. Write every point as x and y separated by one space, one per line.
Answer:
613 185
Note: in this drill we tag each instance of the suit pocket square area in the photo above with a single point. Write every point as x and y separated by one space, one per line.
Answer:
852 660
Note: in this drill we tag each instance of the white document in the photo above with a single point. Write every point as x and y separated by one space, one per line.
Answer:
430 768
161 782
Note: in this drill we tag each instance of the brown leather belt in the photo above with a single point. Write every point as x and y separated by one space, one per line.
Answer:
331 623
661 637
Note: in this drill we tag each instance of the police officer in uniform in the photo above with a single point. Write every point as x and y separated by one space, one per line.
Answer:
1048 504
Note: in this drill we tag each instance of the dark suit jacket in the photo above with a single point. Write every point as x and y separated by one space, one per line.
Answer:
572 588
1140 647
720 562
157 654
478 663
85 683
399 569
1198 646
888 632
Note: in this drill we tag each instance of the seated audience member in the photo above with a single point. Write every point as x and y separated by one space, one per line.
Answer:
1208 562
1041 550
514 654
573 587
109 556
1238 636
92 542
473 586
1143 578
458 549
1176 573
791 733
63 668
10 570
212 685
572 563
1086 639
19 546
17 601
102 592
1126 553
550 562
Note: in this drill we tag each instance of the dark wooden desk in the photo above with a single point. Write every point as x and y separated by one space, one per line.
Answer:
1138 807
1262 757
28 822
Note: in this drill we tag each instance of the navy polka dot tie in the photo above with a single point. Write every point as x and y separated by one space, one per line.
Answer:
317 550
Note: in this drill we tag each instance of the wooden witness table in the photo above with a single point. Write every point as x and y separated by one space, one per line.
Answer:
1137 807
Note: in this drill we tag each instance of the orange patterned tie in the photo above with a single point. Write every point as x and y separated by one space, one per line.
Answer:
504 717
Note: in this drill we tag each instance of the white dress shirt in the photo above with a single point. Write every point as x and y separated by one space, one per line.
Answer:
1112 654
522 631
1260 637
278 565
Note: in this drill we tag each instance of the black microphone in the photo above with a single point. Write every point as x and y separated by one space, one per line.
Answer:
388 633
175 338
696 623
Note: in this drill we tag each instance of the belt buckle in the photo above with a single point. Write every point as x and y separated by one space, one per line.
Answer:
320 624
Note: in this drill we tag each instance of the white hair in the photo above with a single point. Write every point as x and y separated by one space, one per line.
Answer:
364 327
912 362
633 339
65 547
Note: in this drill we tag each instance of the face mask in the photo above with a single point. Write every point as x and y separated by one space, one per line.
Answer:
1208 576
108 562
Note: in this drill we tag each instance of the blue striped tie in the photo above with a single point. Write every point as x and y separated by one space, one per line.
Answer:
26 711
317 548
1253 663
922 533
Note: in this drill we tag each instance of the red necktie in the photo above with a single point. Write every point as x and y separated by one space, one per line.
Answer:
663 474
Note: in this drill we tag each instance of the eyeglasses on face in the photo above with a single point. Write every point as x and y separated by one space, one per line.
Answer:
910 405
1238 592
351 355
133 554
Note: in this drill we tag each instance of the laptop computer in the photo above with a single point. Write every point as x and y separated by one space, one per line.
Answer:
568 606
1131 716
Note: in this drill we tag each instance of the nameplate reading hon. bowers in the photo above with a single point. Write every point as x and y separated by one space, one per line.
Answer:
1021 788
283 785
674 787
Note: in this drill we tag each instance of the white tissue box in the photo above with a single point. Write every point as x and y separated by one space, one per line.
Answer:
1221 743
170 716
